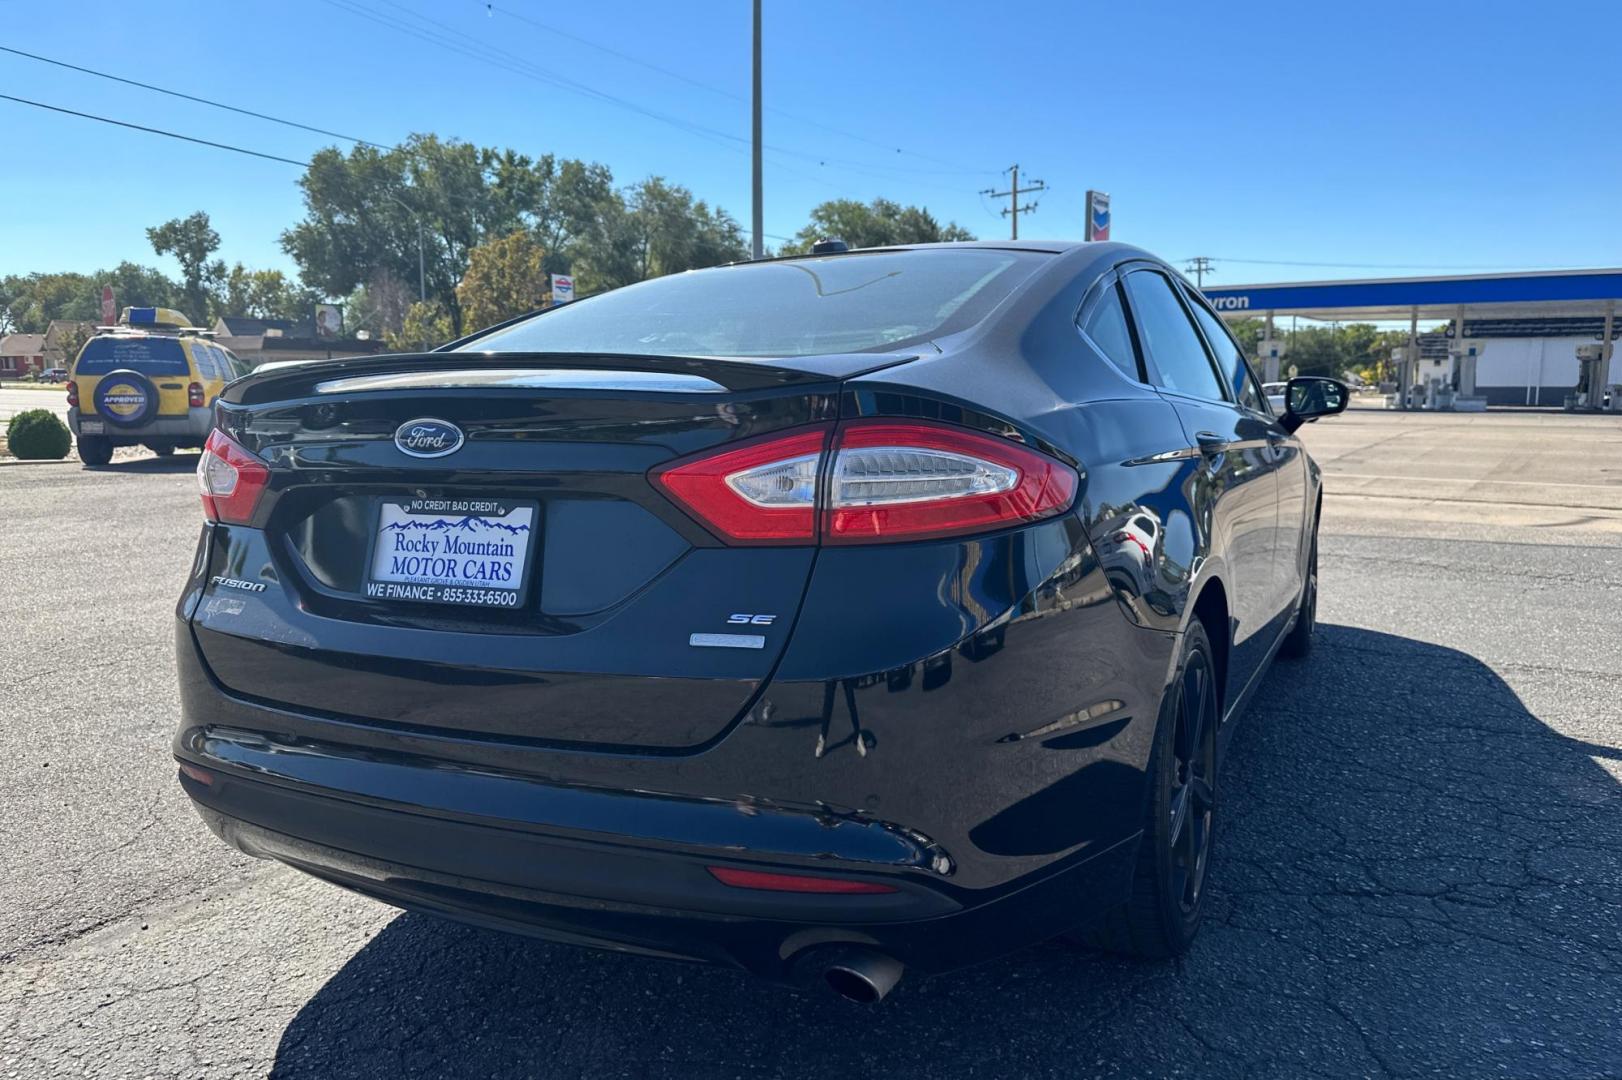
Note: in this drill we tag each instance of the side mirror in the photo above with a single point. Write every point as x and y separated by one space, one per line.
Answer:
1308 397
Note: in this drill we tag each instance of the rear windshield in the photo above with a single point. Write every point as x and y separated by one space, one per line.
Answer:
149 356
804 307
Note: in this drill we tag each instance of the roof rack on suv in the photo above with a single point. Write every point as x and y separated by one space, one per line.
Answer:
155 320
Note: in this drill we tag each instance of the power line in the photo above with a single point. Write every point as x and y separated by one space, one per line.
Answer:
1199 266
193 97
1014 209
448 37
954 168
205 142
516 64
474 49
157 131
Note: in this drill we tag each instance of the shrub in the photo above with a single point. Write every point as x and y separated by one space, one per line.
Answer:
38 435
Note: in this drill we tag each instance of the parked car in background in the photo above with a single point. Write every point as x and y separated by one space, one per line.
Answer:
756 615
1275 392
56 375
150 381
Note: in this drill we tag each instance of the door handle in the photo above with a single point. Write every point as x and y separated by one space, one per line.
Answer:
1210 442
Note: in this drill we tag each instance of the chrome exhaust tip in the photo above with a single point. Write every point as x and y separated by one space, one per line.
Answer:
862 975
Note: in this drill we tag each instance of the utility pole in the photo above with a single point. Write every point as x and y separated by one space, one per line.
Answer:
1199 266
1012 194
759 213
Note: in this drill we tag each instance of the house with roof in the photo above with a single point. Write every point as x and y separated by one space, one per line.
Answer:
259 341
63 337
21 354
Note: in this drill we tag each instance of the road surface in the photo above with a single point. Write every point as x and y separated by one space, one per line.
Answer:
1418 869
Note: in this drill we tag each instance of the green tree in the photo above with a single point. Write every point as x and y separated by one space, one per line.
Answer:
879 223
1247 332
364 212
1314 350
579 217
29 302
263 294
1357 344
133 286
379 306
191 240
68 343
426 326
670 231
505 277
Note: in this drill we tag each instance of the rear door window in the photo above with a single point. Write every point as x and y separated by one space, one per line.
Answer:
203 356
1170 339
150 356
1106 328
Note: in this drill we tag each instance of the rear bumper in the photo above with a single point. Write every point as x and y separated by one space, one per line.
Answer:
652 895
193 426
983 751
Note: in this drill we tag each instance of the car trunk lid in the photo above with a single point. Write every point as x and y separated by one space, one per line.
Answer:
616 626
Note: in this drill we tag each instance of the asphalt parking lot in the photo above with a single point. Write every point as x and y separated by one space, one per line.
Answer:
1418 870
14 399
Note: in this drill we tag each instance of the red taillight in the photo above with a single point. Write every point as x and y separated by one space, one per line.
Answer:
230 479
194 395
910 481
800 883
888 481
761 492
73 394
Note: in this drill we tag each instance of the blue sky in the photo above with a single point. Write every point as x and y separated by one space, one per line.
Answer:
1375 135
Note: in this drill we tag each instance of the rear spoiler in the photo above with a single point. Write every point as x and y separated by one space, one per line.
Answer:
309 378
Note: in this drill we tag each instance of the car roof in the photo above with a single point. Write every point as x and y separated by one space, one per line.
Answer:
1068 256
1045 247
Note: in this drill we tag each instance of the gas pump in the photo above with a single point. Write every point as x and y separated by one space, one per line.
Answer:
1269 353
1461 394
1404 362
1591 365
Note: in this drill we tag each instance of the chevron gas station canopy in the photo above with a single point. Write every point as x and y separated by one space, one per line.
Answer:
1551 293
1470 301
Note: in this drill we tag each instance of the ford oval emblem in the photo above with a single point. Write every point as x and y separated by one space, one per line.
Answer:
427 437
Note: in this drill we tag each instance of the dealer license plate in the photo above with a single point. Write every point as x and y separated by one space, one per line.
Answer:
453 551
92 427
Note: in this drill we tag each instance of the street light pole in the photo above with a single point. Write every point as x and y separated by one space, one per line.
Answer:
759 214
422 274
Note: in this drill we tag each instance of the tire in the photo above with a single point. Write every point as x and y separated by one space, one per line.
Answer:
95 451
1168 884
161 449
133 391
1298 642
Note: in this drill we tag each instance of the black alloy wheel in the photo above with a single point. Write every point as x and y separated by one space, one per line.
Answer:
1164 911
1298 642
1193 783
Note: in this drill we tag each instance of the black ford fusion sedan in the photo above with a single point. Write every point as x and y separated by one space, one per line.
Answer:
825 617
